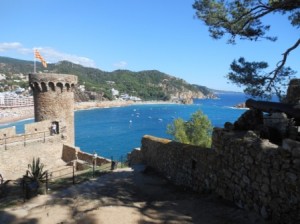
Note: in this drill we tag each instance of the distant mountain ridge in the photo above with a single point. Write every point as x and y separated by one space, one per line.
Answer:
147 85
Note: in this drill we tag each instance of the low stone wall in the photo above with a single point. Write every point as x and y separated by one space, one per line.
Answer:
71 153
135 156
38 131
41 126
185 165
7 132
253 173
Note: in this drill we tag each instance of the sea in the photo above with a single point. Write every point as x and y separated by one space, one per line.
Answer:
113 132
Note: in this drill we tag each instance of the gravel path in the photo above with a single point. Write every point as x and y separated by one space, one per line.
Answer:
127 196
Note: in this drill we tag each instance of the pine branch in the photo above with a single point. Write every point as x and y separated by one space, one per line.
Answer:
281 63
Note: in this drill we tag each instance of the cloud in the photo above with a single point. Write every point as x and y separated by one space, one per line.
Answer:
55 56
50 55
10 46
121 64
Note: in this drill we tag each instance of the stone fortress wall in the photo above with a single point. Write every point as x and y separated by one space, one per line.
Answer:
53 103
18 150
253 173
38 131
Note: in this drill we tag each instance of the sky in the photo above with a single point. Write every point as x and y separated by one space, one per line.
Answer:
135 35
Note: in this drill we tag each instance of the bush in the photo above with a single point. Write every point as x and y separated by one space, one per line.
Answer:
196 131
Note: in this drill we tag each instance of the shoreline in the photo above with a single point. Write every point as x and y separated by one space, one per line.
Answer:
11 115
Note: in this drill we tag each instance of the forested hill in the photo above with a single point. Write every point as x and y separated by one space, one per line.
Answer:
148 85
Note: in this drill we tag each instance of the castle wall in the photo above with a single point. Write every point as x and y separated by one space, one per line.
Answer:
71 153
240 167
38 131
19 150
42 126
7 132
15 159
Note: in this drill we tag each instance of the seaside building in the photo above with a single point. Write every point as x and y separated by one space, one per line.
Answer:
114 92
81 88
2 76
126 97
11 99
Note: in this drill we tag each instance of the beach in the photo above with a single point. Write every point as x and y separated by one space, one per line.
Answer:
13 114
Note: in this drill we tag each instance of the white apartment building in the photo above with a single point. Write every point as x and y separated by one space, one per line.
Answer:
9 99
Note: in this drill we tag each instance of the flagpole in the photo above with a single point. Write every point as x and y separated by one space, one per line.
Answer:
34 62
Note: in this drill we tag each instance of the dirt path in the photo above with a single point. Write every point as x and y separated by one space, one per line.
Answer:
127 196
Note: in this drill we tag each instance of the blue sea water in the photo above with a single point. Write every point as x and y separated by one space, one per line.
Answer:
113 132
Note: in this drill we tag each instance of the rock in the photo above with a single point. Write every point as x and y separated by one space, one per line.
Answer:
228 126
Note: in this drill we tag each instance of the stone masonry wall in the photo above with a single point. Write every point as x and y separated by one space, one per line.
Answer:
42 126
71 153
7 132
259 175
38 131
18 150
15 159
253 173
186 165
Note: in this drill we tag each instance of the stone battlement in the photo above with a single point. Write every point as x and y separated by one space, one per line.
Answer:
44 82
38 131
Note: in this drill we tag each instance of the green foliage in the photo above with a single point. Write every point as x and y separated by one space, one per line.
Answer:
244 19
148 85
252 77
35 171
196 131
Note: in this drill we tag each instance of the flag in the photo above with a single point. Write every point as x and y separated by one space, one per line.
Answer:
38 56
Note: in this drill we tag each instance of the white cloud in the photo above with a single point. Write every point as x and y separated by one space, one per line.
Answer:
53 55
10 46
50 55
121 64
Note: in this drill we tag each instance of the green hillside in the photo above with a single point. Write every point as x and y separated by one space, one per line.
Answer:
148 85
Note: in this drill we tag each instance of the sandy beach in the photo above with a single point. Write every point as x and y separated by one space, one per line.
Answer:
9 115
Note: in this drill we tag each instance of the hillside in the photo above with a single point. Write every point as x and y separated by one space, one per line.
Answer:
147 85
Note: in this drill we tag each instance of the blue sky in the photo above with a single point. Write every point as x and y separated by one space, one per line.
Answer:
135 35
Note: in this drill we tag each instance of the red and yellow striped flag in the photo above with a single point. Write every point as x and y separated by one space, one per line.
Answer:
38 56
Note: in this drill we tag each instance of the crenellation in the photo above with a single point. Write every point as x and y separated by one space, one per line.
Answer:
52 82
7 132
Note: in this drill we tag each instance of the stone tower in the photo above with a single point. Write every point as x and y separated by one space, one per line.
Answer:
54 100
